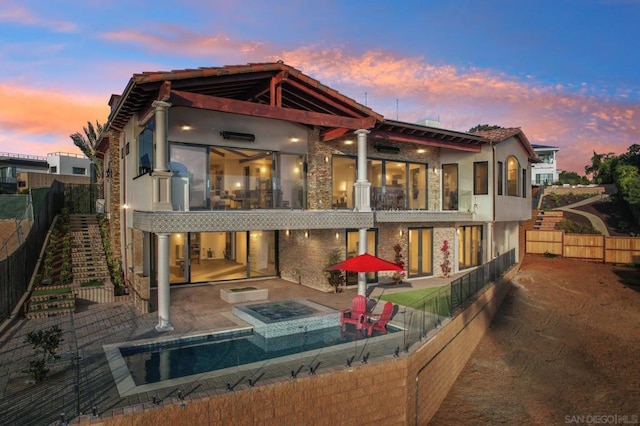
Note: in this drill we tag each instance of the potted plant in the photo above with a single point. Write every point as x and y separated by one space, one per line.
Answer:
445 266
399 260
335 278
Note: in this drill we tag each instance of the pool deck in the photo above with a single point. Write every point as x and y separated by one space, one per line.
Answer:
194 310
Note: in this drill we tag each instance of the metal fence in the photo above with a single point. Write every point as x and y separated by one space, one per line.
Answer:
16 268
81 198
428 313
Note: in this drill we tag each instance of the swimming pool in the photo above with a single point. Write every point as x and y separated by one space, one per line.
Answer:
143 367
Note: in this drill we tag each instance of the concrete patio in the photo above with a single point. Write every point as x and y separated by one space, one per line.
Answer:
194 309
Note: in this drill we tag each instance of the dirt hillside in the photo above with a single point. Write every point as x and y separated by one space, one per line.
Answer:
566 343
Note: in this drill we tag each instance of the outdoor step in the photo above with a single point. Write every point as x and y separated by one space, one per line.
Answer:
52 297
35 305
50 313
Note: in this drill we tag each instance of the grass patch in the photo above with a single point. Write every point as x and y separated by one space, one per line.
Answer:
51 291
92 283
432 299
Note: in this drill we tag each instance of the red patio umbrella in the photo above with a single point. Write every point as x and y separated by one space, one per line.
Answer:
365 263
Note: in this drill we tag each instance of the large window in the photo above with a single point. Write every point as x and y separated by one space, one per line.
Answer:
420 259
481 178
343 173
221 256
449 187
418 194
500 179
191 161
145 149
470 246
394 184
513 168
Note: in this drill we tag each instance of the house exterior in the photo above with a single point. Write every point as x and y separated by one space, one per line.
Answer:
23 171
545 172
253 171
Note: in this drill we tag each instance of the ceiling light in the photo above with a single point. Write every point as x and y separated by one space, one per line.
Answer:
186 127
295 139
421 151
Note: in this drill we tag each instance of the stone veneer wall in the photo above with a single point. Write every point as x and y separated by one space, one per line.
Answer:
114 194
404 390
303 259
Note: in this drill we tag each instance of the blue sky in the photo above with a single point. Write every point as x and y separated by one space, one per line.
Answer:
565 71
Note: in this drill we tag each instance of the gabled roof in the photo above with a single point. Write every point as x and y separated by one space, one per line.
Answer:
270 84
500 135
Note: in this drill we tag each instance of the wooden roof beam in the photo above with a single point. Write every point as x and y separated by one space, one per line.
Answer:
388 136
213 103
320 97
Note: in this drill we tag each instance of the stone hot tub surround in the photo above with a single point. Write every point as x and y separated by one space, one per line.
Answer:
243 294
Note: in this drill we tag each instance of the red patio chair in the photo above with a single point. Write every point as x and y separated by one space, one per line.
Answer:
378 322
355 315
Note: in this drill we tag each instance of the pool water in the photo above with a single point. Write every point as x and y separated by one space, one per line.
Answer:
179 358
282 311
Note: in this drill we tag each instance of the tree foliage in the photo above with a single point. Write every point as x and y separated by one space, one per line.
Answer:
481 127
572 178
601 167
88 142
623 170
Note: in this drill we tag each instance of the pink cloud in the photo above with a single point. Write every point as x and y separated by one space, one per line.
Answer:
576 122
21 15
180 40
577 119
28 114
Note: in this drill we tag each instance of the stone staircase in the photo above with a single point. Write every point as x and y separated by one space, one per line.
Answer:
89 262
547 220
88 265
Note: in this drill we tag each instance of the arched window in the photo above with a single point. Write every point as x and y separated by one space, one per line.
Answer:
513 166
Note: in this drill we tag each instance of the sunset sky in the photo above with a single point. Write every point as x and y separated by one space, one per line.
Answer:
566 71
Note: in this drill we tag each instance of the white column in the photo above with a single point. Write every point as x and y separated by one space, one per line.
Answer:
164 300
362 185
161 126
362 249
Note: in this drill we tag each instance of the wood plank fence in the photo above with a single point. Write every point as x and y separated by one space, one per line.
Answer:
592 247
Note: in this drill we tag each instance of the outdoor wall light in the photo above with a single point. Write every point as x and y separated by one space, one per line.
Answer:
326 158
337 235
125 206
401 232
237 136
306 234
287 232
108 173
386 149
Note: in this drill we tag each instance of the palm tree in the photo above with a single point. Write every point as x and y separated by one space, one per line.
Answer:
87 144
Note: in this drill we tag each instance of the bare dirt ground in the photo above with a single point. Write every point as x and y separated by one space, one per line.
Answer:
565 344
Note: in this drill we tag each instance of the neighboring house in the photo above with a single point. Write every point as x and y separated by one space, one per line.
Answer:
21 171
545 172
235 172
